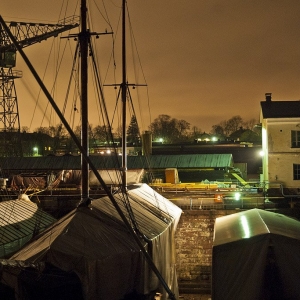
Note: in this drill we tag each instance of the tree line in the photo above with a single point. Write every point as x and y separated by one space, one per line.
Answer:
164 128
172 130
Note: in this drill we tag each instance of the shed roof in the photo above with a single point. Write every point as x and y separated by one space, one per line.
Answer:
256 256
113 162
253 222
280 109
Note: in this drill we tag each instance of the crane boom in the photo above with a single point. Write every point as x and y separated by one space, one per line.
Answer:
31 33
26 34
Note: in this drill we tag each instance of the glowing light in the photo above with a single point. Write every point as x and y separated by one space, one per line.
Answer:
36 150
237 196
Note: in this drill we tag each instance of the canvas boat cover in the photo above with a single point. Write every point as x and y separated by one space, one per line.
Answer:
94 243
73 177
256 256
157 219
20 220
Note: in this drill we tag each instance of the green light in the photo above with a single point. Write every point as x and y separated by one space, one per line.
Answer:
36 150
237 196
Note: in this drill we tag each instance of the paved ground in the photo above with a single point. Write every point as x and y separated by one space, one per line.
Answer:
195 297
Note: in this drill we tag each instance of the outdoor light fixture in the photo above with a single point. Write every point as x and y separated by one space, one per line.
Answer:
237 196
36 150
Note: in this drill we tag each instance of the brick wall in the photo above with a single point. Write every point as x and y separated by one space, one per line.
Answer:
193 239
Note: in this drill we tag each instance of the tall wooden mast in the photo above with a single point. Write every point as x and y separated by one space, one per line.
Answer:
83 146
84 37
124 94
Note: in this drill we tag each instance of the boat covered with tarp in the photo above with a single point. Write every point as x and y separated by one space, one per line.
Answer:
20 221
92 243
256 256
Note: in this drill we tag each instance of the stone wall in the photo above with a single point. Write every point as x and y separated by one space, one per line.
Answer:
193 239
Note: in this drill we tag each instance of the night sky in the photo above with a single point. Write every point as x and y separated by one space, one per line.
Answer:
204 61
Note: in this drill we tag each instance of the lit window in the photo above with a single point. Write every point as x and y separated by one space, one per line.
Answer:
296 171
295 139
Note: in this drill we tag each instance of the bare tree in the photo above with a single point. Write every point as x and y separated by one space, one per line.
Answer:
250 124
169 129
195 132
100 133
217 130
228 127
233 124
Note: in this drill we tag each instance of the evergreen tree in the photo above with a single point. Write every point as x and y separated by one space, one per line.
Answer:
133 132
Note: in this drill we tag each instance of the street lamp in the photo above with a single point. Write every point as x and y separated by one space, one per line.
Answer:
237 197
261 153
36 151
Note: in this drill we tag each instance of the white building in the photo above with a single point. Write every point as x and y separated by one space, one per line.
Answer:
280 143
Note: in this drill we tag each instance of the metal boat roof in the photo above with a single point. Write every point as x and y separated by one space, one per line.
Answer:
254 222
20 220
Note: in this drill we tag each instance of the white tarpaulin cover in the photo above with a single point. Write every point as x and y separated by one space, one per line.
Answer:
113 177
157 219
256 256
94 243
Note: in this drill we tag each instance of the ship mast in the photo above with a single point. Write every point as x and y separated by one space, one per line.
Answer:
124 90
84 37
124 94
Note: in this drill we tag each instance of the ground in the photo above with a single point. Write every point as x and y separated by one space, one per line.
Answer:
195 297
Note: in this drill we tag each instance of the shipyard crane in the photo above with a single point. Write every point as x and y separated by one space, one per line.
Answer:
26 34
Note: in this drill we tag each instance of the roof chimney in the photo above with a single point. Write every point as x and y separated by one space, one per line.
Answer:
268 97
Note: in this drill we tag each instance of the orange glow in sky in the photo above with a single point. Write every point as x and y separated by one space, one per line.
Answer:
203 61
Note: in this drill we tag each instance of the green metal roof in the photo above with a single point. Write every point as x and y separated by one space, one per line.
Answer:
191 161
114 162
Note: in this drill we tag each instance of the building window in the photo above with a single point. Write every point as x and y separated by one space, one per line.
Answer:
295 139
296 171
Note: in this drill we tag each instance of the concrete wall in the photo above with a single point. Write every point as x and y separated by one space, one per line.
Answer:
281 156
194 239
281 169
